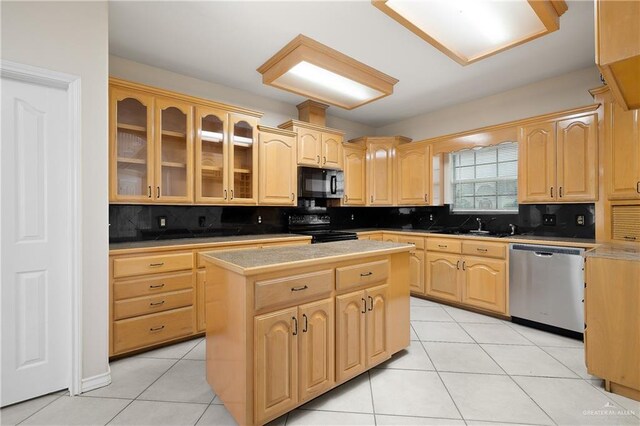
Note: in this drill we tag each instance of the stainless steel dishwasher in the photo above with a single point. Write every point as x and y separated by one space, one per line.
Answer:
546 287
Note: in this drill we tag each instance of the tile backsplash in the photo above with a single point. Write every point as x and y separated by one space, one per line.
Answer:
142 222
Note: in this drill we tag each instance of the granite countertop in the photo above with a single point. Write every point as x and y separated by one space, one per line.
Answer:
520 238
196 241
615 251
258 260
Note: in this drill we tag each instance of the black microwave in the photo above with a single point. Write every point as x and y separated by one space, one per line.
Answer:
320 183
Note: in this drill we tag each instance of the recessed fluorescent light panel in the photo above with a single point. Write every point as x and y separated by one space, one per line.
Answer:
316 71
470 30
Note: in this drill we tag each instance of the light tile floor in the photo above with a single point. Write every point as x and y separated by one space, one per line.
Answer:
461 368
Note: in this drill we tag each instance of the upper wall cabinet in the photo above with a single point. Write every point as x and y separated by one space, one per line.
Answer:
278 175
152 134
354 176
413 175
618 49
318 146
558 161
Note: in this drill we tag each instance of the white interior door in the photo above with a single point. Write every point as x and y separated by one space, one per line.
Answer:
35 249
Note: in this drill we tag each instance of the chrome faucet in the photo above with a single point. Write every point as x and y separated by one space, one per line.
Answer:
479 224
512 227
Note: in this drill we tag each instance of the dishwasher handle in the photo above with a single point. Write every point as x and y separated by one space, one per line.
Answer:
543 254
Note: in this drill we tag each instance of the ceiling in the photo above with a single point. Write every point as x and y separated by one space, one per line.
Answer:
225 41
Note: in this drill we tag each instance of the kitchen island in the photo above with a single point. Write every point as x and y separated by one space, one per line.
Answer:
287 324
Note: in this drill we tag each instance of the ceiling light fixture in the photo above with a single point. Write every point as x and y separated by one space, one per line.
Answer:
309 68
470 30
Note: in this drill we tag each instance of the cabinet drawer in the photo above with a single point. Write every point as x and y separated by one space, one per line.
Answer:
481 248
151 304
147 286
134 333
290 290
416 241
444 244
362 274
131 266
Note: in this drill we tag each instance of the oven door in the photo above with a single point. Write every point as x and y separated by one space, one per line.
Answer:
320 183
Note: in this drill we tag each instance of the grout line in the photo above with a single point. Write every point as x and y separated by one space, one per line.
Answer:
41 408
373 403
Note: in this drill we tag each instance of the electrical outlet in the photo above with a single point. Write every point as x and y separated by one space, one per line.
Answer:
162 221
353 217
202 221
580 220
549 219
431 217
259 219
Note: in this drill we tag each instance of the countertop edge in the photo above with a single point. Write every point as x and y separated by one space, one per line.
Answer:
301 263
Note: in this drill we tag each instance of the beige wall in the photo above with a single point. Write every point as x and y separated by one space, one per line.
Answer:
275 112
554 94
72 37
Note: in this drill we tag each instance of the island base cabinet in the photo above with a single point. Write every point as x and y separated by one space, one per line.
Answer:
294 357
484 284
362 331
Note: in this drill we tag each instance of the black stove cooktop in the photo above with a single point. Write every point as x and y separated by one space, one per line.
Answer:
319 228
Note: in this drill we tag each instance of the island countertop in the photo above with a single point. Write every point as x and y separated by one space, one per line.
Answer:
251 262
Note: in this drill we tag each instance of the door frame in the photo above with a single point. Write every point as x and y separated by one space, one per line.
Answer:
71 84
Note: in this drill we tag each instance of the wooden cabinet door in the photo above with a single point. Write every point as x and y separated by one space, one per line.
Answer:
174 151
212 157
537 163
131 147
276 363
577 148
413 175
317 353
201 319
612 332
350 335
622 166
354 177
442 277
484 283
390 238
416 271
243 159
377 325
380 174
277 169
309 147
332 156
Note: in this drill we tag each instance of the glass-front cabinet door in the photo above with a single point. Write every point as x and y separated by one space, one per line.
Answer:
174 146
131 147
243 159
211 156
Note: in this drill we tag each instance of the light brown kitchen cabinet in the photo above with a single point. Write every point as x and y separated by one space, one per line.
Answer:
243 159
484 284
201 319
612 323
622 152
354 176
416 263
380 169
361 327
276 362
318 146
618 49
413 175
278 176
442 278
558 161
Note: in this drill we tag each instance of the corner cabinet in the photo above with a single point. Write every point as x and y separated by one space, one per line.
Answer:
155 136
318 146
558 161
277 167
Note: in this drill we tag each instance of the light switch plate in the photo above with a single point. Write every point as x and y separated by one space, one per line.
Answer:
162 221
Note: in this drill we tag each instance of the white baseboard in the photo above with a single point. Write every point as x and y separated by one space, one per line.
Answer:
95 382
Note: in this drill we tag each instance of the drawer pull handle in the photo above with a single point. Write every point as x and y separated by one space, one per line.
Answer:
154 329
157 303
443 245
370 303
482 249
364 306
366 274
299 288
295 326
156 285
155 265
628 237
